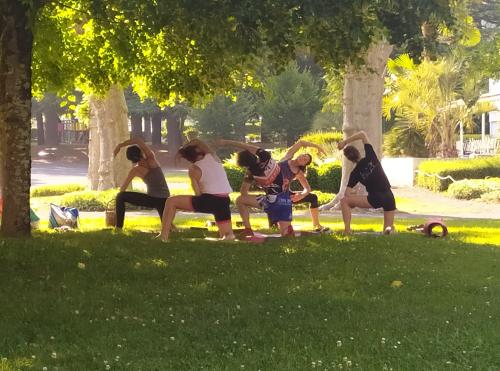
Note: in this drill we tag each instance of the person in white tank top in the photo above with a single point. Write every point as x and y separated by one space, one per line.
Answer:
211 187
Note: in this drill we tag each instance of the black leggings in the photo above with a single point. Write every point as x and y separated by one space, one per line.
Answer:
312 199
138 199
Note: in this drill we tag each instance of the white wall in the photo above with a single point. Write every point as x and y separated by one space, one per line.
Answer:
401 170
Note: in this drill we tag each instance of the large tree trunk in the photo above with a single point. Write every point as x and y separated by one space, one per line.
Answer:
156 128
109 126
136 125
362 106
174 129
147 127
16 43
40 132
51 126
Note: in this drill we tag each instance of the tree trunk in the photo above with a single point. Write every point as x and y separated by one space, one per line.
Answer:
94 148
51 127
136 124
40 132
174 134
16 44
109 126
362 106
156 128
147 127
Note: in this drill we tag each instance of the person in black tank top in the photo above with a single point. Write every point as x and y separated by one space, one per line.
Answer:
148 169
368 171
297 167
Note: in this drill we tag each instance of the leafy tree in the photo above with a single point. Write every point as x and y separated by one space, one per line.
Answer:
226 117
431 98
290 101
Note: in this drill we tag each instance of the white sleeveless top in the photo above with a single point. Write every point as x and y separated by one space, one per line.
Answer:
213 176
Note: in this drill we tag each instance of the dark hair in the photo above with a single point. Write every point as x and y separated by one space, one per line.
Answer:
134 154
352 153
190 153
303 168
250 161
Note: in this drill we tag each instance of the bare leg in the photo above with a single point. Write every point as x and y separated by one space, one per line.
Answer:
389 221
284 227
315 217
171 206
225 230
243 202
349 202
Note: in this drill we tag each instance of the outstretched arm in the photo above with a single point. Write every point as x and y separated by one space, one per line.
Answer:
360 135
234 143
301 144
203 146
137 141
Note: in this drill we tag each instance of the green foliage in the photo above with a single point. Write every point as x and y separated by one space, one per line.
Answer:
431 98
324 137
468 189
326 120
329 176
291 99
91 200
96 296
235 175
491 197
224 117
55 190
458 169
405 140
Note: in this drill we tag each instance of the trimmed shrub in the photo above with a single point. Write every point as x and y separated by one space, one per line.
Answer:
458 169
329 176
235 175
55 190
469 189
492 197
90 200
324 137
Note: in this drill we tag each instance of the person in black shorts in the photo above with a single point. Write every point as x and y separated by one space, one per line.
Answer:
210 185
368 171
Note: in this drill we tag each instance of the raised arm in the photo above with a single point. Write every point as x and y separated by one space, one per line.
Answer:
137 141
360 135
301 144
203 146
234 143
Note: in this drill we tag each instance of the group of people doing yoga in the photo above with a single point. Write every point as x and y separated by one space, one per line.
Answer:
212 188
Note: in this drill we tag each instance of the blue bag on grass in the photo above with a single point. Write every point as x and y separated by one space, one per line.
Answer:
61 216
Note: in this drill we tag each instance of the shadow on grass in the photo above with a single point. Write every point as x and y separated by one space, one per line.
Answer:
81 301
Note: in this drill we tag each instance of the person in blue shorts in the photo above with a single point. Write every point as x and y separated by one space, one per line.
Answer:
274 178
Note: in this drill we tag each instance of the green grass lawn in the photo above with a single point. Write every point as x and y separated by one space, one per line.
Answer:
97 300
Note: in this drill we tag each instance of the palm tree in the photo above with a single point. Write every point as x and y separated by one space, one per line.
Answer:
434 98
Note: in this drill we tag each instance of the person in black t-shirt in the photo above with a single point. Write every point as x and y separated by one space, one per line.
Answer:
368 171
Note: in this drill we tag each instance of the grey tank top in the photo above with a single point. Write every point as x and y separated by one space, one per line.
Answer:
156 184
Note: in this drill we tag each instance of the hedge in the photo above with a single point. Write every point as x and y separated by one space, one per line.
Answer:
91 200
469 189
479 168
491 197
55 190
